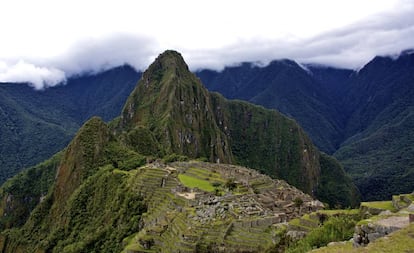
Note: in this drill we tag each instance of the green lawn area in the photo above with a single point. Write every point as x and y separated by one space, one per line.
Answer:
339 211
204 174
193 182
386 205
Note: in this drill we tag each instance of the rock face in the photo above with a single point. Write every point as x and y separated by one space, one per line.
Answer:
365 234
383 221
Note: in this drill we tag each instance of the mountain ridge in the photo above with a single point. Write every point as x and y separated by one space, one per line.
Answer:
357 114
333 81
103 187
169 100
37 124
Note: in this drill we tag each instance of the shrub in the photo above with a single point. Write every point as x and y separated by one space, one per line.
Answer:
334 229
174 158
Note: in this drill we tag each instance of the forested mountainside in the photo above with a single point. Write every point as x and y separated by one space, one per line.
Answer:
36 124
361 117
105 175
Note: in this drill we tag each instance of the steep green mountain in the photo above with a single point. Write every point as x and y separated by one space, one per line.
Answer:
378 153
37 124
101 195
86 205
24 191
364 118
287 87
172 104
184 118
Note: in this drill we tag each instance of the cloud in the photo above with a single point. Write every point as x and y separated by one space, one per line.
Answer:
349 46
87 56
96 55
38 77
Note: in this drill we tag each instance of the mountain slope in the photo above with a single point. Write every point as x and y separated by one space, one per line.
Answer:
185 119
173 105
86 192
379 150
287 87
37 124
363 117
105 197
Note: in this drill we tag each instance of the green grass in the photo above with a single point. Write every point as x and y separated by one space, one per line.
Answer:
204 174
410 196
334 229
193 182
399 241
339 211
386 205
376 218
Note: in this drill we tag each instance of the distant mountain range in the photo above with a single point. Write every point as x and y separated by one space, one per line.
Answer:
36 124
363 118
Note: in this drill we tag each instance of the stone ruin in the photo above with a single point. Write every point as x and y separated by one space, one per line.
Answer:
273 200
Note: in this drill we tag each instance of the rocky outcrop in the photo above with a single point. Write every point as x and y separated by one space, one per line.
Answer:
402 201
370 232
382 221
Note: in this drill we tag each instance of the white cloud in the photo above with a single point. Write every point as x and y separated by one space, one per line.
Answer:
85 56
95 55
71 37
350 46
38 77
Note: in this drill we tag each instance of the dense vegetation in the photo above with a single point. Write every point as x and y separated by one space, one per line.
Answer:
335 229
23 192
287 87
87 204
333 188
34 125
364 118
378 153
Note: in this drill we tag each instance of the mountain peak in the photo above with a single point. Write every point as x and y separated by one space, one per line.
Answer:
169 56
168 60
172 105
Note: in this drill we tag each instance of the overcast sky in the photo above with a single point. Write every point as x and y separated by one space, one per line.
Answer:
46 41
